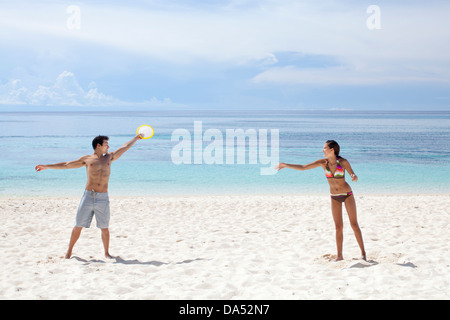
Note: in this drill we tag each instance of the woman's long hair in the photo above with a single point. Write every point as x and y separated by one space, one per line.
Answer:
334 145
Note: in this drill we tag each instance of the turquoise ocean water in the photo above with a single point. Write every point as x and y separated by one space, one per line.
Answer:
391 152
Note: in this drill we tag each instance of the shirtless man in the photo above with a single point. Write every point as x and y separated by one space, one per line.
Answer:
95 200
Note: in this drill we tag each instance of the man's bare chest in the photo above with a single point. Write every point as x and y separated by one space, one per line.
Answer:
99 166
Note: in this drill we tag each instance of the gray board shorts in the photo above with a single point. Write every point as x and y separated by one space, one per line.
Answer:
93 203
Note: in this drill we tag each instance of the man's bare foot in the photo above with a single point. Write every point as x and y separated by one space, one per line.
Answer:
108 256
363 256
68 254
338 258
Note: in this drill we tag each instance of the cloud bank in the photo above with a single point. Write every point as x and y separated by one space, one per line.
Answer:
242 32
66 91
269 52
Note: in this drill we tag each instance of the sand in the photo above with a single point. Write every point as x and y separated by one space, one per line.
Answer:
227 247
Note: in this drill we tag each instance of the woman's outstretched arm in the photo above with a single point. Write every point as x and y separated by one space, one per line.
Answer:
301 167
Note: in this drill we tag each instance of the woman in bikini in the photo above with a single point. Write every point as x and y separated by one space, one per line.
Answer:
340 190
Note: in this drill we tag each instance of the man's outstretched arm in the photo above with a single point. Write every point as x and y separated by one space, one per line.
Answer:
119 152
63 165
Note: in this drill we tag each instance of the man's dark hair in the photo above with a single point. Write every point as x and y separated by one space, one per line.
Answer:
99 140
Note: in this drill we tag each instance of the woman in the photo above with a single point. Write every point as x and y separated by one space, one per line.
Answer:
340 190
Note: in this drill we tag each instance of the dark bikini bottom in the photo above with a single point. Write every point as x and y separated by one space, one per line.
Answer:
341 197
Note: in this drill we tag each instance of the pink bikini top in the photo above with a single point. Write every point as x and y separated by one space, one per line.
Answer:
338 174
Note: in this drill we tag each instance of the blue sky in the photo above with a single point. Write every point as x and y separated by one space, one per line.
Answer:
225 54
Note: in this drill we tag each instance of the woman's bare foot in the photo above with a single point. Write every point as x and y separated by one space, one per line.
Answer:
363 256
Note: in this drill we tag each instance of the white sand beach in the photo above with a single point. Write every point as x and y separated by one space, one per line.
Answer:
227 247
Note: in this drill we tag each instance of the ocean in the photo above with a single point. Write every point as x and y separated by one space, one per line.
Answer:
394 152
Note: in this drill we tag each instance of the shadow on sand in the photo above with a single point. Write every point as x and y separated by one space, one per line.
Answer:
119 260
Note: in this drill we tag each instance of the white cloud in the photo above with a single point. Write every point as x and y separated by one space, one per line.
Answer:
236 31
411 41
66 91
346 75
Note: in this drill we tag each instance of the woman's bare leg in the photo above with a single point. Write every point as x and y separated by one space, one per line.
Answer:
336 210
350 206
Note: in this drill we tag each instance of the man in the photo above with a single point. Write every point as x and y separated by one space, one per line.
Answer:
95 200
